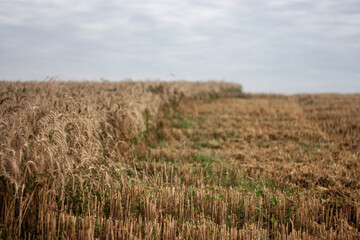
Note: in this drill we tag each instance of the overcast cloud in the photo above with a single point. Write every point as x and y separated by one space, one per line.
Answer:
266 45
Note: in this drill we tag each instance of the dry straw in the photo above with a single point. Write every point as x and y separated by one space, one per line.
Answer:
155 160
65 147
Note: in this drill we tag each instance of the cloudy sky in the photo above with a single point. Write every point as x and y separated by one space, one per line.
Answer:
285 46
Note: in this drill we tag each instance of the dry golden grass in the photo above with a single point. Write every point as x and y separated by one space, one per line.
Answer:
66 145
176 161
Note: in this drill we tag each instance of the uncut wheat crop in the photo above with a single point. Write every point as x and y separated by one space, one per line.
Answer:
176 160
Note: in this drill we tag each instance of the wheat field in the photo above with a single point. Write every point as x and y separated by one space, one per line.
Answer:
176 160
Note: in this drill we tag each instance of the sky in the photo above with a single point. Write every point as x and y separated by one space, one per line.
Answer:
269 46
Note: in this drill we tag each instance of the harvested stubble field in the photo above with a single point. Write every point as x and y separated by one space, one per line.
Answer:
161 160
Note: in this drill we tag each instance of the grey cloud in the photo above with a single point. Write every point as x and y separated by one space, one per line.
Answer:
268 46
